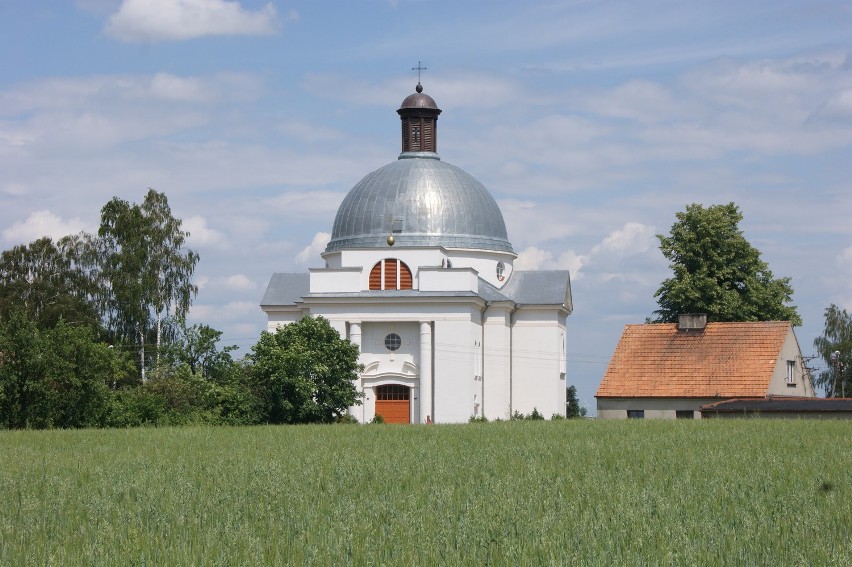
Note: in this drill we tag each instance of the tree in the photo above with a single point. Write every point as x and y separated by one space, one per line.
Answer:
305 373
717 271
43 280
146 269
572 407
836 379
56 377
197 347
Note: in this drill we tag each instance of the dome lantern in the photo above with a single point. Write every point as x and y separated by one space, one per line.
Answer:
419 116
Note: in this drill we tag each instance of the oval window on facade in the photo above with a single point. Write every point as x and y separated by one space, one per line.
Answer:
393 342
501 268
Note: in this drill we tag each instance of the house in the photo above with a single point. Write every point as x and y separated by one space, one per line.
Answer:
671 370
419 273
781 407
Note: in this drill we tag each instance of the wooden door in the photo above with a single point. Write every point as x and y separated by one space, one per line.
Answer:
393 403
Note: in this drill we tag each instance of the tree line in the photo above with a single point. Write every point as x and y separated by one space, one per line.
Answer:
93 329
93 333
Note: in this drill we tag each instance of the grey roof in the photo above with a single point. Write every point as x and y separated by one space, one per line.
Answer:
286 289
523 288
540 287
422 201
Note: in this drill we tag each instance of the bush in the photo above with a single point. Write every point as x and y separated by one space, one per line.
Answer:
378 419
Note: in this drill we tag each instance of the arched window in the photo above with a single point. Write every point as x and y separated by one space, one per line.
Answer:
390 274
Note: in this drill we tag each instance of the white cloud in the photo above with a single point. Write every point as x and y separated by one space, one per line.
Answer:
238 282
182 89
632 238
321 204
312 251
200 234
533 258
176 20
15 189
40 224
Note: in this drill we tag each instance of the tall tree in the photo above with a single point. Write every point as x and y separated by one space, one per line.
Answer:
43 280
717 271
147 269
835 348
305 373
572 405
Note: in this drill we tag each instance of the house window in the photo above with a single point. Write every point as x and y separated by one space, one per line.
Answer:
390 274
393 342
635 414
791 372
685 414
501 267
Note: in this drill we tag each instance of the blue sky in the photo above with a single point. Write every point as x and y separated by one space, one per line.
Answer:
592 124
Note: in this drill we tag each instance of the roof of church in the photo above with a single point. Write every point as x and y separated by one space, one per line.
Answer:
286 289
523 288
724 360
419 200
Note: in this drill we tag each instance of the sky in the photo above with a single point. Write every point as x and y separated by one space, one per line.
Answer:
591 123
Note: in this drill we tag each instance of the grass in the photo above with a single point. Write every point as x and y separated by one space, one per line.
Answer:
740 492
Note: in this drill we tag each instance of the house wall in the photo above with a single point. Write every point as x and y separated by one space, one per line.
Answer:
497 365
778 384
655 408
538 361
483 261
454 370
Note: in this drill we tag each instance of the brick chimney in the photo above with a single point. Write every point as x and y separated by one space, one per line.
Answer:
692 322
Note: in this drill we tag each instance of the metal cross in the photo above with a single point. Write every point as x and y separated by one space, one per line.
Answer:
419 68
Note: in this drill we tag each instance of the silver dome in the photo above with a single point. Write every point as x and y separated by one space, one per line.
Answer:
421 201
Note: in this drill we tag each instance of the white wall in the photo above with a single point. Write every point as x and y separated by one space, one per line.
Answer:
454 370
778 385
497 345
655 408
537 361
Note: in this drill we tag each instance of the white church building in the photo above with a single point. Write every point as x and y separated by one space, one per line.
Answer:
418 273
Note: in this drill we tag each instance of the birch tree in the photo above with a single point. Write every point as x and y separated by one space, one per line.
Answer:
146 268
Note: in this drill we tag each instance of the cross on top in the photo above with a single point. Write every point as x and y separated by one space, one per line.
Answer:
419 68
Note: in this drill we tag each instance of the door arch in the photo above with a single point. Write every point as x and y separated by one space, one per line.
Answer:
393 403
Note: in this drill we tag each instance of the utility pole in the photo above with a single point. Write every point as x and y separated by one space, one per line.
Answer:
838 371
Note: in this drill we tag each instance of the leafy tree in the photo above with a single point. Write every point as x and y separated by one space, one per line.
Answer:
56 377
197 347
305 373
717 271
145 267
836 379
43 280
572 406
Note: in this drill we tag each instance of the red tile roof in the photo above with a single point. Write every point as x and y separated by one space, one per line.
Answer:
725 359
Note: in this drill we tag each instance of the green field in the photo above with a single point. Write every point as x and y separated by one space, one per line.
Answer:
743 492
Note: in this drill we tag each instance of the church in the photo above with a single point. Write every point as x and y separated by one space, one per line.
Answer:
418 273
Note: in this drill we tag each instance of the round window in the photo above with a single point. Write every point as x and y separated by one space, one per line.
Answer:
393 342
501 267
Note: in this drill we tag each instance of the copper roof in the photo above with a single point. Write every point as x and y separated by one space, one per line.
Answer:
725 359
